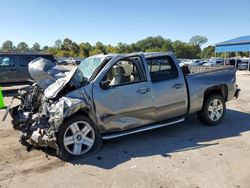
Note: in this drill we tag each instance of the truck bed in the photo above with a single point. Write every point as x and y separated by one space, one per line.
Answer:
201 78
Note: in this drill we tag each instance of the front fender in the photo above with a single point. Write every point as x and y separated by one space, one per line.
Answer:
66 106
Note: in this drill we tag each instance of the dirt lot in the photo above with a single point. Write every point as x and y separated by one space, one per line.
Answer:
185 155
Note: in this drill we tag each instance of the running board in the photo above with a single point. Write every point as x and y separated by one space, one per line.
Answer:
141 129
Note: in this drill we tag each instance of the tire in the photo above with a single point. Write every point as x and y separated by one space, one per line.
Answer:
213 110
78 137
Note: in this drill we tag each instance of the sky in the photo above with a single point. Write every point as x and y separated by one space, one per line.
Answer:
113 21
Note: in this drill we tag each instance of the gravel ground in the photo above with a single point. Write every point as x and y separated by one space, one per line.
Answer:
185 155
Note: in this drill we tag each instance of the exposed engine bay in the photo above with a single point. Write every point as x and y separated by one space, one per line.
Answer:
30 118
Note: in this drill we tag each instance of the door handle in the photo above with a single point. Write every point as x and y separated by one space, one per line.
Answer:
143 90
177 86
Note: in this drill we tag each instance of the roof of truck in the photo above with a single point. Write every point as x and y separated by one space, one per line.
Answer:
154 54
146 54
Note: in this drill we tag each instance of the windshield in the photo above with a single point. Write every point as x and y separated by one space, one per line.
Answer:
86 69
89 65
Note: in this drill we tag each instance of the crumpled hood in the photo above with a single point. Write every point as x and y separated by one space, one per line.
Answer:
53 89
44 72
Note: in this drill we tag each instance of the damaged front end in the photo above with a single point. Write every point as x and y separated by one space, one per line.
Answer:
30 117
45 104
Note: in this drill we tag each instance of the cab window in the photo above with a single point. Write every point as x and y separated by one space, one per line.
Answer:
24 60
6 61
162 68
125 71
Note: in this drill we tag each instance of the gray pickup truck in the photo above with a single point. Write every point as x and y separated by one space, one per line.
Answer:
113 95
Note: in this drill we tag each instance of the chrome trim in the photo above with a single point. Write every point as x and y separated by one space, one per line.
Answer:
150 127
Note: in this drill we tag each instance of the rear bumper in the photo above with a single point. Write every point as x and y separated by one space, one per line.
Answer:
237 92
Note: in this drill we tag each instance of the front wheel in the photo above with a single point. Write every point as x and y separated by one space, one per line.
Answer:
77 137
213 110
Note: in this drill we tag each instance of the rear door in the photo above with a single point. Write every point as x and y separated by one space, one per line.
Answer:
123 95
8 69
169 88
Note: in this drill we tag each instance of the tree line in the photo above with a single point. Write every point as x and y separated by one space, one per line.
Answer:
69 48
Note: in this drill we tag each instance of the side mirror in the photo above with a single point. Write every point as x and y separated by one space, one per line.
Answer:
105 84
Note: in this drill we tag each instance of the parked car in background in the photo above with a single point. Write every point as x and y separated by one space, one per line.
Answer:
61 61
196 62
190 62
78 60
213 62
203 62
219 62
233 62
73 60
210 63
243 65
14 66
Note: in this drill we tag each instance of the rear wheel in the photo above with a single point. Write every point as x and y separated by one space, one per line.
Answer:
78 137
213 110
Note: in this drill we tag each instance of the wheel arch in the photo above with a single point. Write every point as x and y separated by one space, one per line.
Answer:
81 111
217 89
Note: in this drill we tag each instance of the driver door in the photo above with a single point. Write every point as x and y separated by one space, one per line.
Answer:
123 97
